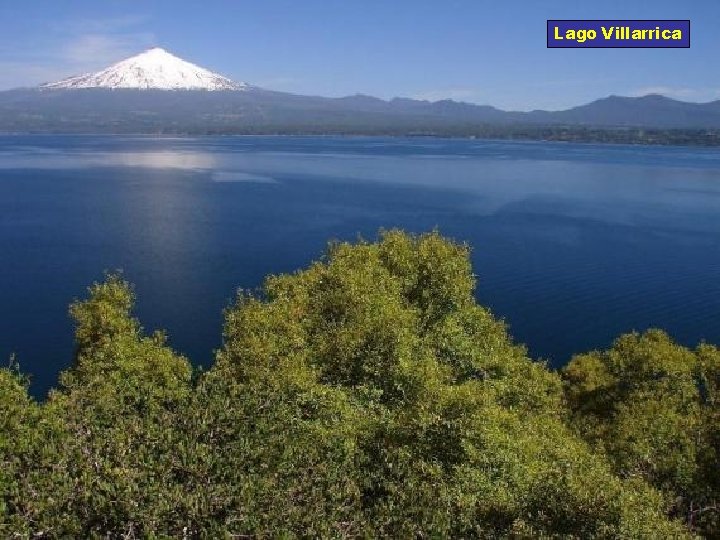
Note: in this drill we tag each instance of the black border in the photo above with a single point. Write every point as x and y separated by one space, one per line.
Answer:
547 33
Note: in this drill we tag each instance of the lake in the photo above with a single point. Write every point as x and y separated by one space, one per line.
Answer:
573 244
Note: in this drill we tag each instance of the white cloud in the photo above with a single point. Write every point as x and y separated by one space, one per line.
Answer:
96 50
681 93
103 25
18 74
457 94
77 47
280 83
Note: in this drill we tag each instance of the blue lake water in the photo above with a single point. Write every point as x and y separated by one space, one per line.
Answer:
573 244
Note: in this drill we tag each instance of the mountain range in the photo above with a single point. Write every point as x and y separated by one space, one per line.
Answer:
156 91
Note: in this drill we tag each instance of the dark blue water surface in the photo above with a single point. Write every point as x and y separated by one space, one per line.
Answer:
573 244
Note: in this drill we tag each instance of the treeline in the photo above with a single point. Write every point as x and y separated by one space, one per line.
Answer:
366 396
500 132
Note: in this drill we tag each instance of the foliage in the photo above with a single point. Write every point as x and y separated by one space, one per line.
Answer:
653 407
366 396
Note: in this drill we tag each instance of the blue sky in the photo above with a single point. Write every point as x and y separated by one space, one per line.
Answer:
489 52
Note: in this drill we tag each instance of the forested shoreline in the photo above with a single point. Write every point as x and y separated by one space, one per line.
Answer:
637 136
368 395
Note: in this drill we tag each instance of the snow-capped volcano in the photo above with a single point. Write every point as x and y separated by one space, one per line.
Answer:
153 69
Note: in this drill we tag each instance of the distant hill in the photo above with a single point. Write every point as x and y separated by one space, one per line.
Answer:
130 110
653 111
156 92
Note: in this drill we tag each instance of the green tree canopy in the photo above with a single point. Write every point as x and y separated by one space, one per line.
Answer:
652 406
368 395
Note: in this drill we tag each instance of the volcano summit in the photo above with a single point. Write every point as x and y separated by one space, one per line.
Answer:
153 69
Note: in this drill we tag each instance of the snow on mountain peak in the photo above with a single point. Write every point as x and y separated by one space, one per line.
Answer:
153 69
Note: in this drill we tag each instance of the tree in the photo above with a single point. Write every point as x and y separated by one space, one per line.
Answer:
105 461
18 413
456 432
652 407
